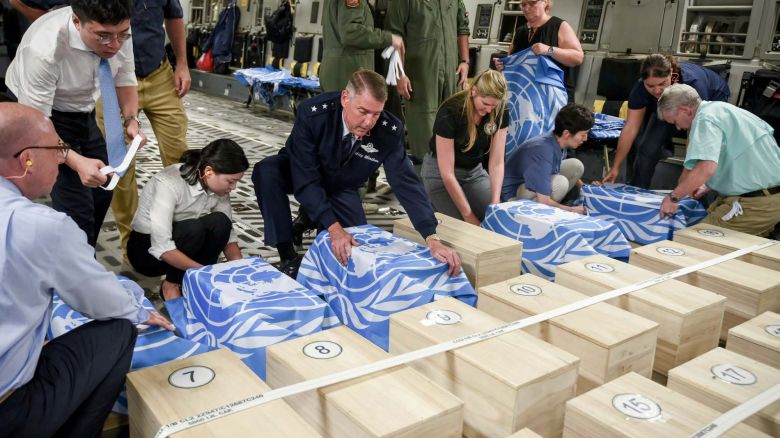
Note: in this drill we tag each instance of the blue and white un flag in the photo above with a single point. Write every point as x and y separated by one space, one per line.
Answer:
552 236
246 305
635 211
153 346
385 274
536 94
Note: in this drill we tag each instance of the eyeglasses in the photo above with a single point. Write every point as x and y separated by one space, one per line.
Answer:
108 38
528 3
62 149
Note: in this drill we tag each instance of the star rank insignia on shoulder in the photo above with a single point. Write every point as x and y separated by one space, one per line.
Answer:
315 108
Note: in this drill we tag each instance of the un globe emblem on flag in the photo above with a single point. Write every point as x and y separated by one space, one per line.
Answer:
536 93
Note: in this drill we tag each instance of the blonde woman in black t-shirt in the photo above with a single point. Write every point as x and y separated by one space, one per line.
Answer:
469 125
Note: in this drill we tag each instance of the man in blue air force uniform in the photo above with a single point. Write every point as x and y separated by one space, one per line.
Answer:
338 140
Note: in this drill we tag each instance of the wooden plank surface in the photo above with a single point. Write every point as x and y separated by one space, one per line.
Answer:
507 383
721 240
525 433
749 289
487 257
758 338
647 410
606 351
689 317
722 379
398 402
154 401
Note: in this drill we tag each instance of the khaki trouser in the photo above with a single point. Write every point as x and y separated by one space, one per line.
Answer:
571 172
759 214
158 100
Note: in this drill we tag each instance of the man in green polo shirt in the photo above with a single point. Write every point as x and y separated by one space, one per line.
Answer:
730 151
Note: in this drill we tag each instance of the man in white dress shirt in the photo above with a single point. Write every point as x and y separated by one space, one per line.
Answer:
56 71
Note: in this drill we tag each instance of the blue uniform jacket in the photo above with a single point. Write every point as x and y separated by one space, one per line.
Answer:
319 164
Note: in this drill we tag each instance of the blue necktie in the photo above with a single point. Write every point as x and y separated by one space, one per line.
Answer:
115 136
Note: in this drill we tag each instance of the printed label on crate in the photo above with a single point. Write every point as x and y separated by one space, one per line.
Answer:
710 232
322 350
773 329
674 252
191 377
636 406
443 317
526 290
599 267
733 374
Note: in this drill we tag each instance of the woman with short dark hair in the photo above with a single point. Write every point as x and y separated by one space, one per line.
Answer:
184 217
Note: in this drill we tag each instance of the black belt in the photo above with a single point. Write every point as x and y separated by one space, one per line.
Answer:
763 192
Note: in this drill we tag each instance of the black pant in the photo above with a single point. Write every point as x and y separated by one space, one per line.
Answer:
201 239
77 380
86 206
273 182
653 139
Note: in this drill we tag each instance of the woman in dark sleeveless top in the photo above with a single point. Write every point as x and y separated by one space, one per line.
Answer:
551 36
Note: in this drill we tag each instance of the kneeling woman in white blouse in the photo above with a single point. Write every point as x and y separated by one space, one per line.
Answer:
184 217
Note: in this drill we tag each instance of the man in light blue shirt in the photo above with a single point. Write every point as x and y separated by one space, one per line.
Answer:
66 387
730 151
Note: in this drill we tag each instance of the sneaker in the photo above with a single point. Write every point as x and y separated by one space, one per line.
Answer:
290 267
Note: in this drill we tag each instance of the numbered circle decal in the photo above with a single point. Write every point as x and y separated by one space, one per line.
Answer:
322 350
526 290
733 374
443 317
636 406
710 232
773 330
599 267
191 377
665 250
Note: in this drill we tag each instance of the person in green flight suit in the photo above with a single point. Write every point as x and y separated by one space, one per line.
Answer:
349 40
436 35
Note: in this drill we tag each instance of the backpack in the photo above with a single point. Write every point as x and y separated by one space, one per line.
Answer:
279 25
760 94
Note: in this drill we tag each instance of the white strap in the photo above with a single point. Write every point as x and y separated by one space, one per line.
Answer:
739 413
122 168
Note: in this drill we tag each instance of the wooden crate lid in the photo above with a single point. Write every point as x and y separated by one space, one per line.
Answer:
752 277
729 240
672 295
396 399
714 373
231 381
588 322
465 236
498 356
755 330
679 415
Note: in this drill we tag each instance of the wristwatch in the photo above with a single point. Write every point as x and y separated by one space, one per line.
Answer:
133 117
433 236
550 50
673 198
